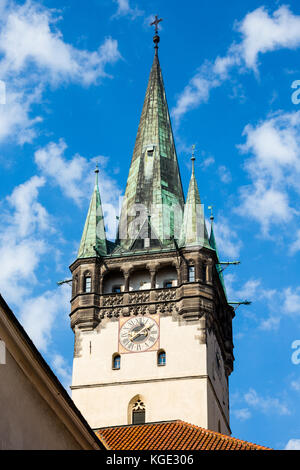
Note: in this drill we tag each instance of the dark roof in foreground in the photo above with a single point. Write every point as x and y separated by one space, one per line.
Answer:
170 435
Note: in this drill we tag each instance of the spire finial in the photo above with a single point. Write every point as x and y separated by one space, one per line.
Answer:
211 213
193 157
96 172
156 37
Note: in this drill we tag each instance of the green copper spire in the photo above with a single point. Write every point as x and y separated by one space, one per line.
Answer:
213 244
194 230
93 241
154 180
212 240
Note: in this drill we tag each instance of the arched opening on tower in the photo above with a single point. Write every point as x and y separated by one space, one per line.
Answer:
113 282
166 277
140 280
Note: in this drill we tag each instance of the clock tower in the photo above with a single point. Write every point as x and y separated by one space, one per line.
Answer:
152 325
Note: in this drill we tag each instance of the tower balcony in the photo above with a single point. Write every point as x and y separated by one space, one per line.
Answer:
189 300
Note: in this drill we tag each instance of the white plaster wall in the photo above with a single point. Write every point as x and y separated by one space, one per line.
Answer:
178 390
175 391
185 355
26 420
166 400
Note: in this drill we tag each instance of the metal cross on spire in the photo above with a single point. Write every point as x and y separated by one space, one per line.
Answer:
156 23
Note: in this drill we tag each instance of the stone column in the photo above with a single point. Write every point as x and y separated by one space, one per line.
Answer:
178 276
203 272
184 272
209 272
126 279
198 276
153 278
101 284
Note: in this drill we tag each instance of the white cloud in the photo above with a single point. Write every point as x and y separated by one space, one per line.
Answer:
274 170
228 243
19 260
38 315
293 444
295 246
253 290
63 370
207 162
24 233
291 305
29 215
33 54
263 32
15 116
124 9
271 323
30 37
289 301
295 385
275 143
242 414
224 174
260 32
249 289
68 175
265 205
21 240
266 405
75 179
196 92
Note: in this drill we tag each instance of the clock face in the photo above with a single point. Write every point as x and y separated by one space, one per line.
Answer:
139 334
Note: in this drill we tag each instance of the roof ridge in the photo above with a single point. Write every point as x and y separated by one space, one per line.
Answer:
223 436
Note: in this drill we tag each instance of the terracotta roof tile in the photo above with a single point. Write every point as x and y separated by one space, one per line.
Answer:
170 435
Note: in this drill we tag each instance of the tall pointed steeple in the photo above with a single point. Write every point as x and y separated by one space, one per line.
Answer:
154 179
194 230
93 240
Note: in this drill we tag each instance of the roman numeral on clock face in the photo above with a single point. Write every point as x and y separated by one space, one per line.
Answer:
139 334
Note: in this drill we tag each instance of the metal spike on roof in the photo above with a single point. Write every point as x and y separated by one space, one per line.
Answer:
154 179
93 240
194 230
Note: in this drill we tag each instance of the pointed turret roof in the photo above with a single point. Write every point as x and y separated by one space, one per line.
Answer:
213 244
93 240
154 180
194 230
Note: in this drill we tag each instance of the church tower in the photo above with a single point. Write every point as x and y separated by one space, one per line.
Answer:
152 325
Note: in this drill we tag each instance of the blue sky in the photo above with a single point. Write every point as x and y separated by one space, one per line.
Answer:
74 79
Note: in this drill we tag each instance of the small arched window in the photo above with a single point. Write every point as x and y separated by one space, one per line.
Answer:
116 362
87 285
161 358
138 413
191 273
